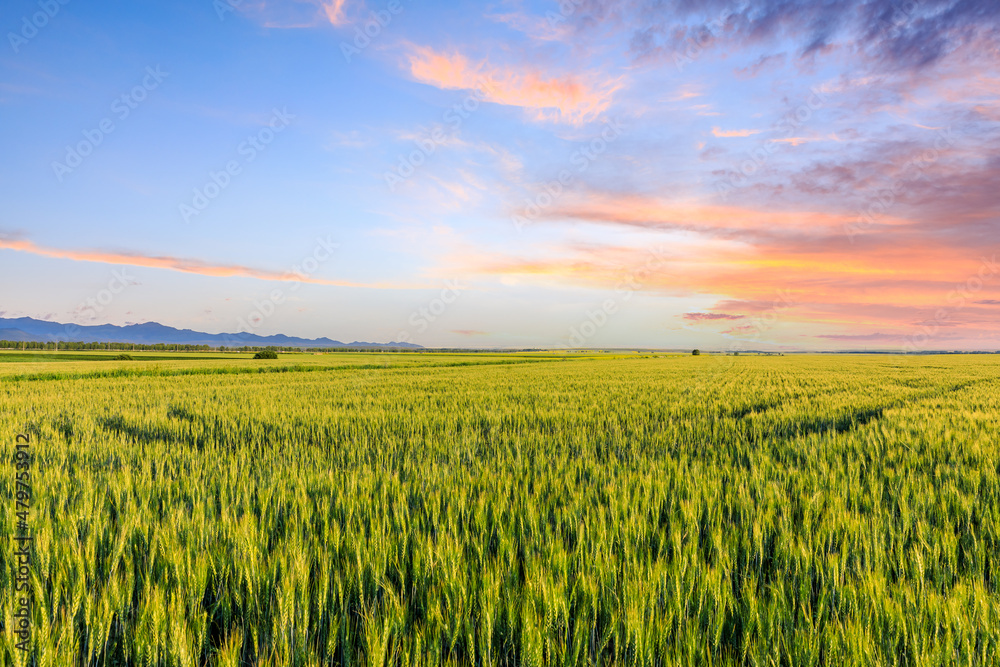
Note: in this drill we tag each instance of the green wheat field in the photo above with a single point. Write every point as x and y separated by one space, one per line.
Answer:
505 509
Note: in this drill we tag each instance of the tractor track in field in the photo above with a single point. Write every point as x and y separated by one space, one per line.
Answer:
857 419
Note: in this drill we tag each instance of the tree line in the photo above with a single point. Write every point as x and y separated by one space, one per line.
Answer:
73 346
172 347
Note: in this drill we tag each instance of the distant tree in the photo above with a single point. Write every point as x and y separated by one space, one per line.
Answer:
696 352
266 354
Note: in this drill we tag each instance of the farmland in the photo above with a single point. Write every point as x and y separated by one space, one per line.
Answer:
517 509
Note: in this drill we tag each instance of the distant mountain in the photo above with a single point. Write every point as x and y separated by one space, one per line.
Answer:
14 334
151 333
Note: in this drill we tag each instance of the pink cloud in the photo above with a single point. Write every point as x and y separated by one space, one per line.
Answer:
717 132
702 317
573 99
182 265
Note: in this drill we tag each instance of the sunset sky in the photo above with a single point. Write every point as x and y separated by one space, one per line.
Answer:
784 174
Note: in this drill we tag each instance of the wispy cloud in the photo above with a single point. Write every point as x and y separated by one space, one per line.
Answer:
653 212
877 336
733 133
708 317
298 13
184 265
536 27
886 34
569 98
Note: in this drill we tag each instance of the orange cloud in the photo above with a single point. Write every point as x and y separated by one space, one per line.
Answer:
897 280
798 141
568 99
703 317
733 133
182 265
687 92
823 290
654 212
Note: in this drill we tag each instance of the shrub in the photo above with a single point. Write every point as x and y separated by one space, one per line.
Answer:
266 354
696 352
124 357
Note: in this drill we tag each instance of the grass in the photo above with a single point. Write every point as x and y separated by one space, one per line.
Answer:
63 357
398 509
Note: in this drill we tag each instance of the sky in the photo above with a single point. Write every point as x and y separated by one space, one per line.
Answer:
782 174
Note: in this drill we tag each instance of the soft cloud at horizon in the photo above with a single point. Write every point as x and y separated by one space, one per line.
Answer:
722 175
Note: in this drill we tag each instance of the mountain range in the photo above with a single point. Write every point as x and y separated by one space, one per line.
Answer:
151 333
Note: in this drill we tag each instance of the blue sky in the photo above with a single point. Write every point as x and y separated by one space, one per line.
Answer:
733 175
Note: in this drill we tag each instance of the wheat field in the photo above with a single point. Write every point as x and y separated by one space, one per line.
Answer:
518 509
